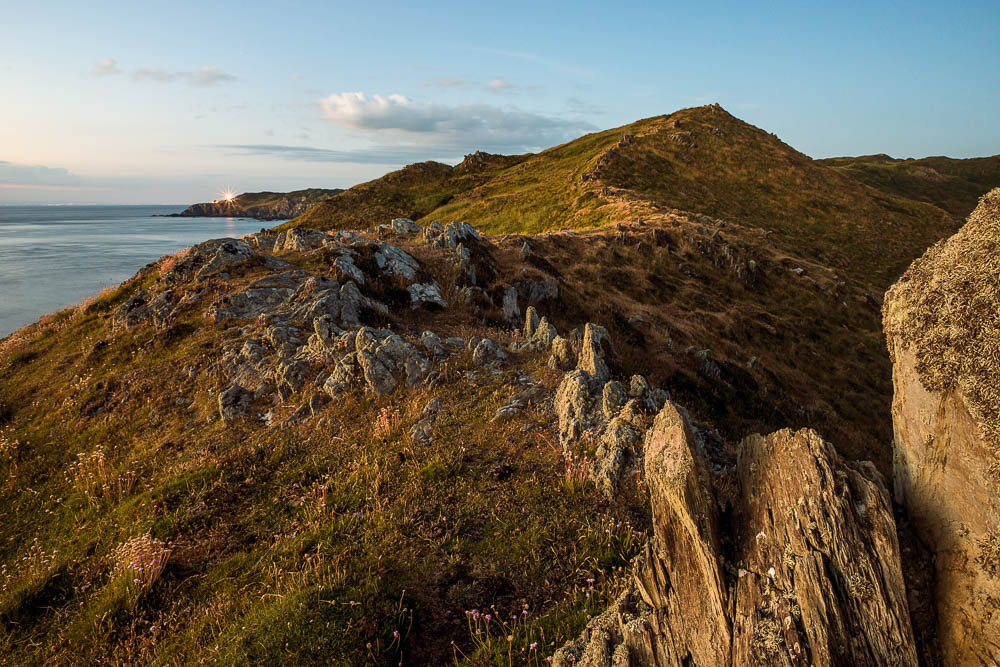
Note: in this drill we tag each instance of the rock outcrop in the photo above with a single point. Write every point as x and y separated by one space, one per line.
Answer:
942 323
786 556
259 205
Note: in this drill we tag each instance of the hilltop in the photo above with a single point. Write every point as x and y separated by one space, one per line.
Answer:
702 160
260 205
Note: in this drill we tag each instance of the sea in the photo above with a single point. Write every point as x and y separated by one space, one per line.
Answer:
56 256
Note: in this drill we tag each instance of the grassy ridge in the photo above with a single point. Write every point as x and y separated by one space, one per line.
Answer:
951 184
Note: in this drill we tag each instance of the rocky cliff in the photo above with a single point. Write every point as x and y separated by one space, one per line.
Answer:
260 205
942 323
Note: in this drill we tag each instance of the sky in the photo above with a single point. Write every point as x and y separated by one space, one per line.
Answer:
114 102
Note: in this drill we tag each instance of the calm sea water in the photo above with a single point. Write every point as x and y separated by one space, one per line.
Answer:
56 256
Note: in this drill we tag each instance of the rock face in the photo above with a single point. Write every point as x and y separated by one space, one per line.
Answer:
805 572
942 321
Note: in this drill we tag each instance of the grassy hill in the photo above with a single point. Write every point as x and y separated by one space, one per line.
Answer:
262 205
952 184
701 159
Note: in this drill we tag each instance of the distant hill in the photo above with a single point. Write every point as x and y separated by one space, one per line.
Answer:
949 183
411 192
261 205
700 160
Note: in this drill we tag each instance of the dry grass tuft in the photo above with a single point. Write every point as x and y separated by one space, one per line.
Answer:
141 559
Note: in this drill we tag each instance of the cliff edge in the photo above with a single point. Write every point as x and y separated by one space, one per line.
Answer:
942 324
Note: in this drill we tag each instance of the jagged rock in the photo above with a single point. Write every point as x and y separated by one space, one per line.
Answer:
345 264
433 407
260 241
393 261
525 250
404 226
530 322
422 294
511 313
618 453
234 402
941 320
544 334
573 405
417 369
433 230
325 327
810 574
487 353
592 353
291 373
343 377
143 307
613 397
562 357
520 401
423 430
378 377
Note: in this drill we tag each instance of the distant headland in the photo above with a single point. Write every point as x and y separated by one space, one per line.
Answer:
259 205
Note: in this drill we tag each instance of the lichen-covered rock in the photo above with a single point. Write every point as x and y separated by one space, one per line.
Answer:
562 357
613 397
573 406
530 322
234 402
942 324
299 239
345 264
343 377
592 353
544 334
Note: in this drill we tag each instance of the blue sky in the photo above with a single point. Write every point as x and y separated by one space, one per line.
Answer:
171 102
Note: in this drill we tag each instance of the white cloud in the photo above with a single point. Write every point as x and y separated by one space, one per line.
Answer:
446 83
470 126
106 67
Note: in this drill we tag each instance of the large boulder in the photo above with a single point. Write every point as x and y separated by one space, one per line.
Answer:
942 321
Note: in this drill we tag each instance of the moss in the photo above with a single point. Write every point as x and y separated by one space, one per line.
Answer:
946 309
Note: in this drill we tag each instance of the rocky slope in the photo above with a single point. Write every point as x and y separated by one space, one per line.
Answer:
260 205
941 321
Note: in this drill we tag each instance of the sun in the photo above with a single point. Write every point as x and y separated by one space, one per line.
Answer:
227 196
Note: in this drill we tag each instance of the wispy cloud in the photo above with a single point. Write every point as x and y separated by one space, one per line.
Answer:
500 85
106 67
203 77
400 119
447 83
580 106
36 175
386 155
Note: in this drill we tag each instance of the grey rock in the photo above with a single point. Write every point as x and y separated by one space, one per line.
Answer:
455 343
298 239
378 377
404 226
234 402
317 403
423 430
511 314
343 377
637 386
573 405
426 293
432 343
488 353
544 334
345 264
393 261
